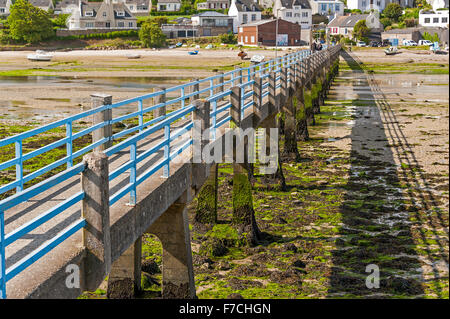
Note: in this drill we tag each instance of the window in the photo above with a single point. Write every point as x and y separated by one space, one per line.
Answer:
130 24
104 14
363 3
253 17
120 24
246 39
252 39
379 3
427 20
89 24
89 13
337 7
241 30
345 31
297 15
244 18
120 13
304 14
131 7
2 10
435 20
242 39
323 6
288 14
444 20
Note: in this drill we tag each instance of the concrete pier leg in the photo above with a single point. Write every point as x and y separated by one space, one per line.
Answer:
301 116
243 214
172 229
278 176
206 211
124 280
290 136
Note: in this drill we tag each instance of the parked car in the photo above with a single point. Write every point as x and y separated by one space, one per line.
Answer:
374 44
409 43
385 43
360 44
425 42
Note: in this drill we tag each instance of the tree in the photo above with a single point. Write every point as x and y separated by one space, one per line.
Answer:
360 30
393 11
28 23
151 35
228 38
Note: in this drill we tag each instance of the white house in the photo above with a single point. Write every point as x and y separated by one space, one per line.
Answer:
367 5
4 7
169 5
328 8
101 15
67 6
296 11
343 25
433 18
244 11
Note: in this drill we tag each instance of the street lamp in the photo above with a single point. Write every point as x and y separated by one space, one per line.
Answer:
276 32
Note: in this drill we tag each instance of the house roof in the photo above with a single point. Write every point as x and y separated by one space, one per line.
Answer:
95 7
288 4
41 3
402 31
66 3
210 14
138 2
3 3
347 21
247 5
169 1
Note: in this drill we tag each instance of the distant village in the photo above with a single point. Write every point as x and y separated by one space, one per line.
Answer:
254 22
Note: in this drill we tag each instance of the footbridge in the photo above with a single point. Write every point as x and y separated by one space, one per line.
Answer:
67 225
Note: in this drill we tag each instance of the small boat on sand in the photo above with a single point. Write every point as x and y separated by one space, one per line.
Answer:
391 51
40 55
257 58
195 52
133 56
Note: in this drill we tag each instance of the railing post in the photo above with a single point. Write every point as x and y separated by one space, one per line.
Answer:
221 80
99 99
235 109
273 91
257 98
69 148
19 165
292 76
284 85
239 74
195 88
160 111
95 210
2 257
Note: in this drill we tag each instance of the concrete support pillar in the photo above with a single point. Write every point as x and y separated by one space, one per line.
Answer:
124 280
270 177
161 111
206 210
95 210
172 229
98 100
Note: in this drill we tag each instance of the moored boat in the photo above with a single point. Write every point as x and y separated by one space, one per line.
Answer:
40 55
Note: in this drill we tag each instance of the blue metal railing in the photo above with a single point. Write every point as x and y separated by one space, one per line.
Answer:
219 116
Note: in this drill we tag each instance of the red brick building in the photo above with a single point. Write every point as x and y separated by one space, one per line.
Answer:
263 33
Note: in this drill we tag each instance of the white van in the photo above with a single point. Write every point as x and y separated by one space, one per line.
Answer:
425 42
